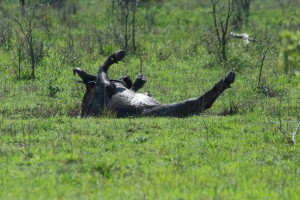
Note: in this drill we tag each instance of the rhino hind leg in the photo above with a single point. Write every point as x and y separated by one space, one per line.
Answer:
194 105
139 82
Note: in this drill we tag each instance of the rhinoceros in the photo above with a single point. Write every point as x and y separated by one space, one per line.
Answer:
121 96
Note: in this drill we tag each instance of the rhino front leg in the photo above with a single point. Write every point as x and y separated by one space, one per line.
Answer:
104 88
114 58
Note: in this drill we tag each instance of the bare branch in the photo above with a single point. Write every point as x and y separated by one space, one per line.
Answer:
27 27
221 26
229 14
264 56
295 133
214 13
291 140
280 121
281 128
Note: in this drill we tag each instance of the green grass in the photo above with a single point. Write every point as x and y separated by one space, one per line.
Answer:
167 158
48 152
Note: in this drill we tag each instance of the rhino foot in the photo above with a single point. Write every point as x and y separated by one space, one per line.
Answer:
230 78
118 56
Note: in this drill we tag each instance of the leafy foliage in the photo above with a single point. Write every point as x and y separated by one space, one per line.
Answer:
290 52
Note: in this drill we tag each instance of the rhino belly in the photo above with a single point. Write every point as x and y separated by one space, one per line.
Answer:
130 103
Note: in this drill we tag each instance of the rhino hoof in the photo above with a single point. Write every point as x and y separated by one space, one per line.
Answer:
230 78
141 79
119 55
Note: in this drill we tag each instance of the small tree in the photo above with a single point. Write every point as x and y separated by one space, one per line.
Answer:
22 6
221 27
243 12
125 12
290 53
27 24
290 139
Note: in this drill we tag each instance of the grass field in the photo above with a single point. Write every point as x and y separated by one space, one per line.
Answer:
235 150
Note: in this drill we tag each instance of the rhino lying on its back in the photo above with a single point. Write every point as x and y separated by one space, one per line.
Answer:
121 96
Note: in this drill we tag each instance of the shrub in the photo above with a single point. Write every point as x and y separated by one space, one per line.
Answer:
289 56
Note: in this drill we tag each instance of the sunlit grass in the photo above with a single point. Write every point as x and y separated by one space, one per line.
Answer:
232 151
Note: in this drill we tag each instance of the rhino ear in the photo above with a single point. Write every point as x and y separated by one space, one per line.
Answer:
85 77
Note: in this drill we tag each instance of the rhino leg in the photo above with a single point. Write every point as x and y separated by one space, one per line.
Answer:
127 82
139 82
114 58
97 96
221 87
194 105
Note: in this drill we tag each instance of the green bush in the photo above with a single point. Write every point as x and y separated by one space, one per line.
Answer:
289 58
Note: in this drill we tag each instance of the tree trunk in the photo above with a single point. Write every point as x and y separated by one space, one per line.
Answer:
22 7
126 37
133 28
31 51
